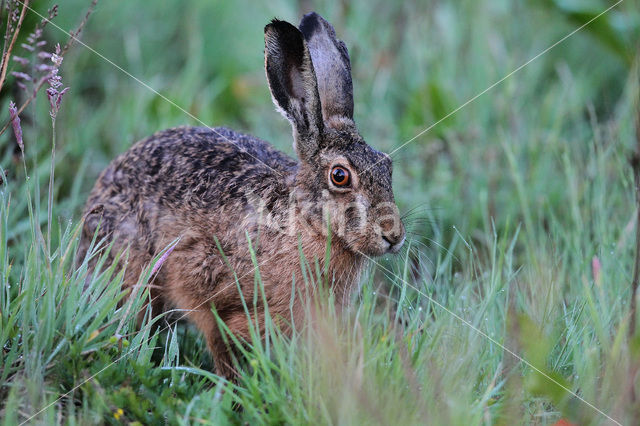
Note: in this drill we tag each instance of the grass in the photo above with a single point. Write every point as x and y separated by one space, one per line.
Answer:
522 220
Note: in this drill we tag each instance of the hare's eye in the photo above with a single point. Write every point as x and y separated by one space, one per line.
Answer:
340 176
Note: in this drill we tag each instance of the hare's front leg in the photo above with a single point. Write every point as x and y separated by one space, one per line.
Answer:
206 323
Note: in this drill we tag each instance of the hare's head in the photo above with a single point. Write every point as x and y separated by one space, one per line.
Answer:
340 177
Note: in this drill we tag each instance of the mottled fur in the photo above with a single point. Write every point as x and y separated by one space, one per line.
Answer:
200 184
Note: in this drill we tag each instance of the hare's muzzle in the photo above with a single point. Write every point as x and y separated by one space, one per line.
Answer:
393 238
392 230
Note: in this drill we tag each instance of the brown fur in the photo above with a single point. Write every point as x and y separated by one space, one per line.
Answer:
210 186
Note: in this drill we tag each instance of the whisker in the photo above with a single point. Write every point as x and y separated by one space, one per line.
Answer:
434 242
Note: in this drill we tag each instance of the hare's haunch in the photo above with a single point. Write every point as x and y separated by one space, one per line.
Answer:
214 188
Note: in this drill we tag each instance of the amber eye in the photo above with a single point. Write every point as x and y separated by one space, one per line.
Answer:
340 176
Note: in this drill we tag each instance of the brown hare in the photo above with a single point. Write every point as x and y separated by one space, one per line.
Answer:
218 191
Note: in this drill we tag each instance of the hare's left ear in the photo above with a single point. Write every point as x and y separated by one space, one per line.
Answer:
333 69
293 85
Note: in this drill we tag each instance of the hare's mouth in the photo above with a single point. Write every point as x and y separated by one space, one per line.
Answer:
385 245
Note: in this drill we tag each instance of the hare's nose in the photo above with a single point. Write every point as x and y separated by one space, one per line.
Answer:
395 238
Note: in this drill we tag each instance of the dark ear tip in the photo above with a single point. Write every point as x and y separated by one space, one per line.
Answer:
311 15
272 24
279 26
312 23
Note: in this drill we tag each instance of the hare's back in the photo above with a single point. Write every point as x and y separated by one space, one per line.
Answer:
197 166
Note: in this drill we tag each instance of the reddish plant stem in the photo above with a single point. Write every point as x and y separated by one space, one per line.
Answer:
73 36
7 54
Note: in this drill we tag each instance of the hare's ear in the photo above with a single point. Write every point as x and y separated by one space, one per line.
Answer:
293 85
333 69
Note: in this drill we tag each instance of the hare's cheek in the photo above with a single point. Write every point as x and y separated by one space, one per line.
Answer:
355 218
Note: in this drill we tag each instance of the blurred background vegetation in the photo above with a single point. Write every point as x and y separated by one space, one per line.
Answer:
521 190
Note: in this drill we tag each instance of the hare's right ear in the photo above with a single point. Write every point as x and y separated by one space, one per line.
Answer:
293 85
333 69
